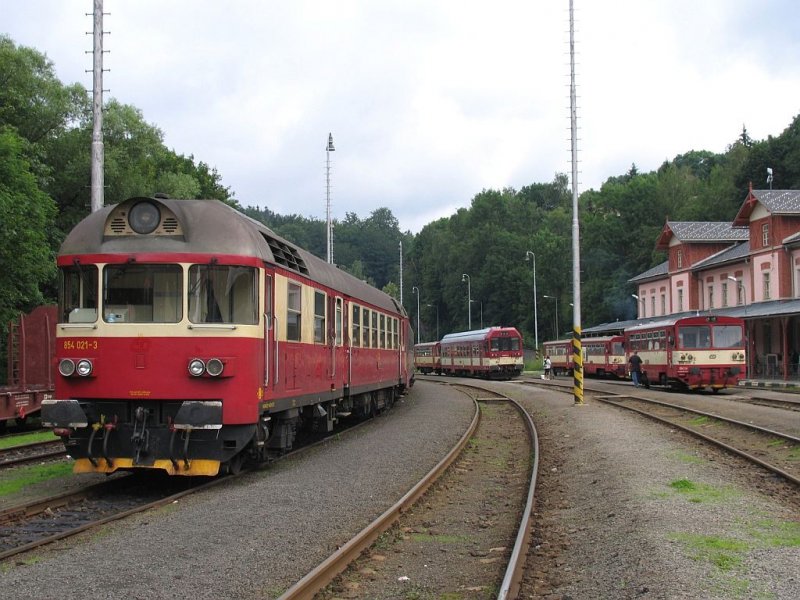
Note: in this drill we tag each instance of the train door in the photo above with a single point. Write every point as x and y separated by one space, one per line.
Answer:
336 340
270 345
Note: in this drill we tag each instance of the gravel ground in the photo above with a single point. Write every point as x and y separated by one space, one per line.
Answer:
457 540
257 536
627 508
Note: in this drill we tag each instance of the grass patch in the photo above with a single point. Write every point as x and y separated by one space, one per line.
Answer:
777 534
701 492
724 553
25 476
701 420
686 458
794 453
27 438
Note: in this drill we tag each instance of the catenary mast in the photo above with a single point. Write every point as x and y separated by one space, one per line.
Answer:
577 354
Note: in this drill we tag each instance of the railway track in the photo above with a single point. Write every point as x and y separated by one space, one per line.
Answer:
776 451
28 453
45 520
497 455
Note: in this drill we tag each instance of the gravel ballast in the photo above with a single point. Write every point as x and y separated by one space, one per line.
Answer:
628 508
257 536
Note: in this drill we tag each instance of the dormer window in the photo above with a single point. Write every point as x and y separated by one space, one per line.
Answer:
765 235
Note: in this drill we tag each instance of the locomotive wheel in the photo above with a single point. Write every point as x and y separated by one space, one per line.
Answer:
233 466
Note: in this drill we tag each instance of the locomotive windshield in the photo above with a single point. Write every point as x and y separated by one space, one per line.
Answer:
223 294
78 294
141 293
700 337
504 344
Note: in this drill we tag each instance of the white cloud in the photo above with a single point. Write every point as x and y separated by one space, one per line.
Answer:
429 102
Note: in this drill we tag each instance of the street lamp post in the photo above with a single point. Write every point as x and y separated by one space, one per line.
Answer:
465 277
556 299
415 290
637 303
531 255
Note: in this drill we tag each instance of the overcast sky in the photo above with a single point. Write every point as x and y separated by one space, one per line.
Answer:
429 101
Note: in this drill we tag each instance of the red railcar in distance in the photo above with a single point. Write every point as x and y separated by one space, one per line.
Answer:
494 352
31 347
560 353
604 356
697 352
428 358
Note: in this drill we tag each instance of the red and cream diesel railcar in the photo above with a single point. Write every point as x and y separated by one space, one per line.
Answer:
696 352
560 353
494 352
191 337
604 356
428 358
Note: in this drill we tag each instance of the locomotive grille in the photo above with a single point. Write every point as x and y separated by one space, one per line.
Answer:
170 225
285 255
118 225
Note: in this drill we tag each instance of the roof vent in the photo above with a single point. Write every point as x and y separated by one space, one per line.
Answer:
286 255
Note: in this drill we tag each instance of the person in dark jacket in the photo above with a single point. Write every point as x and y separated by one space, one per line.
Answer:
636 368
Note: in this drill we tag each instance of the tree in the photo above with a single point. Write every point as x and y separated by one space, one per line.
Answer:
27 216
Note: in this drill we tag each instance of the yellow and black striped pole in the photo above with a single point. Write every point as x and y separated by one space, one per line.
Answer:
577 365
577 354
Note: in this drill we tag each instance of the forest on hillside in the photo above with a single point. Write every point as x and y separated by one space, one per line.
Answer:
45 155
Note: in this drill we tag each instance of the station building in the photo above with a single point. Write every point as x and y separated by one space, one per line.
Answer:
748 268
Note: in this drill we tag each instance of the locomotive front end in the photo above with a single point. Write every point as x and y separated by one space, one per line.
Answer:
151 341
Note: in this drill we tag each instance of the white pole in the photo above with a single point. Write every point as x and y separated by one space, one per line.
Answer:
329 227
577 350
97 200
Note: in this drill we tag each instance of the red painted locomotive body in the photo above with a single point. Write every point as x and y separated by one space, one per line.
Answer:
604 356
560 353
191 338
31 378
428 358
704 351
494 352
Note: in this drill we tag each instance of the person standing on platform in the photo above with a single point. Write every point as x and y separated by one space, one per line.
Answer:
636 368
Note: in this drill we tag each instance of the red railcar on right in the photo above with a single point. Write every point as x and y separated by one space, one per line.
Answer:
697 352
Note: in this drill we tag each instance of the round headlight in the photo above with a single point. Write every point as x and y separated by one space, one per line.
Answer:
144 217
196 367
66 367
214 367
84 367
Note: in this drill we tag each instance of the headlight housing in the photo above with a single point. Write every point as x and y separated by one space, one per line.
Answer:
66 367
84 367
196 367
214 367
